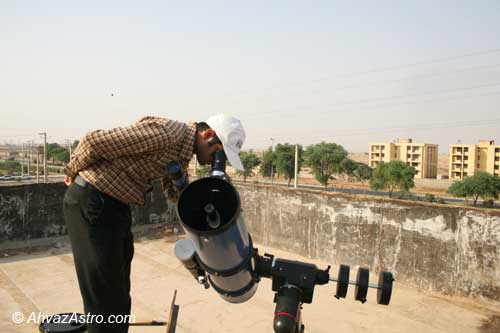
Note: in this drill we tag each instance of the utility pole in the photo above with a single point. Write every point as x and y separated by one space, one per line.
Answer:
37 164
44 134
30 157
296 172
68 143
22 159
272 165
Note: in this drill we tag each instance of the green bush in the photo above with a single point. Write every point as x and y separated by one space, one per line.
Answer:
10 167
430 197
490 203
203 171
54 170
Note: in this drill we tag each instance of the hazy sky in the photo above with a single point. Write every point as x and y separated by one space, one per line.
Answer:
297 71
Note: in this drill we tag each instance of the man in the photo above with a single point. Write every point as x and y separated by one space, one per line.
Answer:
109 171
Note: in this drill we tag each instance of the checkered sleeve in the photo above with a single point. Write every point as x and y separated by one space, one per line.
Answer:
147 135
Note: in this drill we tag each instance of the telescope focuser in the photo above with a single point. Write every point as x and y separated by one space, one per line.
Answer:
219 166
179 179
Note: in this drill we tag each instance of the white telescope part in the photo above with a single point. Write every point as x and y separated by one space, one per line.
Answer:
225 251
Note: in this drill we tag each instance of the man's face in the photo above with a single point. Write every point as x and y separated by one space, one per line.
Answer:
206 147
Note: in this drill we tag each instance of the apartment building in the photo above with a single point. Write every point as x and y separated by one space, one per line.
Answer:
466 159
422 156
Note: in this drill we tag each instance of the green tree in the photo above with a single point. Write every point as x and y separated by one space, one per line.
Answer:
363 172
391 176
348 167
249 160
203 170
285 160
482 184
325 159
56 152
10 167
267 162
51 148
61 156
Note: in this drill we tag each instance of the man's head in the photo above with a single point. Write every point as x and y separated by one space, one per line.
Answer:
220 132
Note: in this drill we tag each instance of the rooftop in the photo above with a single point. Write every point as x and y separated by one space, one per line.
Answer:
45 281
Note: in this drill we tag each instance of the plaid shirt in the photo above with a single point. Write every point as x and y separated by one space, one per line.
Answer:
123 161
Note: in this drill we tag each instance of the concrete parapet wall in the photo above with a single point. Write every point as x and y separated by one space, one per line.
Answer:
435 247
35 211
448 249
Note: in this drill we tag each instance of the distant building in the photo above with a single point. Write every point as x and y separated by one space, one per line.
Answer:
8 154
466 160
422 156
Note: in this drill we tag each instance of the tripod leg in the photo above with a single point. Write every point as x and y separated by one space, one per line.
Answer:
300 327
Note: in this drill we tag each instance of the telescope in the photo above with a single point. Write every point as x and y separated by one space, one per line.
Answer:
218 252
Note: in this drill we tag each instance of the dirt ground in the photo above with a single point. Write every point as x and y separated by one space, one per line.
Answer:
45 281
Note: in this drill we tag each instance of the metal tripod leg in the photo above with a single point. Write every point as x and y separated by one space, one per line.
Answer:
171 322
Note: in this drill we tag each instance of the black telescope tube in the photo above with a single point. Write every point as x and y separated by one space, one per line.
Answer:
219 165
220 161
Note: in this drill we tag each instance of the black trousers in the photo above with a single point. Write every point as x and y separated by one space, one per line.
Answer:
102 244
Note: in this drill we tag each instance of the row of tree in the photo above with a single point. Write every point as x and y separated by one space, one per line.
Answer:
325 160
329 160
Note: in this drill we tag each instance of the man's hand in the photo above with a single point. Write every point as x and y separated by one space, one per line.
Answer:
67 180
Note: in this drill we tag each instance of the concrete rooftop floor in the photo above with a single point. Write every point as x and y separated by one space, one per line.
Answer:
45 281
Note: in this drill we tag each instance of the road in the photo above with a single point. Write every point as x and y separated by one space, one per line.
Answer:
32 180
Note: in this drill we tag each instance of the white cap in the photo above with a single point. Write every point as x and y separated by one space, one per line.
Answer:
232 135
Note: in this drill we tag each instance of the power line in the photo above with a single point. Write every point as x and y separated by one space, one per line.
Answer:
392 105
17 136
15 129
368 100
383 82
422 126
387 69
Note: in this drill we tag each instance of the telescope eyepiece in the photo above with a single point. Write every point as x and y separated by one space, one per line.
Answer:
219 165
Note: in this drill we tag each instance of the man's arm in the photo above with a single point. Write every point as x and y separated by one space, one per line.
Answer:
147 135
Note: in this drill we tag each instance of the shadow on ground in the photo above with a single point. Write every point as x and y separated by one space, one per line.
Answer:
490 325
